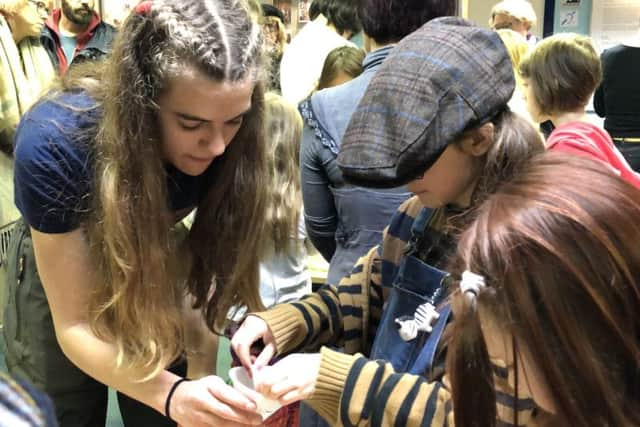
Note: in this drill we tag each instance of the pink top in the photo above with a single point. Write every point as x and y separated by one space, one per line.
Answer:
585 139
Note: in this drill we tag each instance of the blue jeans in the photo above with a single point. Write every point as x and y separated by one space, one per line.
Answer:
310 418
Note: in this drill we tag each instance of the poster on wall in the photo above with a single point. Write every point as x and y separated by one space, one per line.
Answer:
614 21
303 11
115 11
285 7
569 19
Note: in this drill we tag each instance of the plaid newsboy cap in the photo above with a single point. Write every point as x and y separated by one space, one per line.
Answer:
446 77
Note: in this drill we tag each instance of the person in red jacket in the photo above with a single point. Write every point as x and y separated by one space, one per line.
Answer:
560 75
74 33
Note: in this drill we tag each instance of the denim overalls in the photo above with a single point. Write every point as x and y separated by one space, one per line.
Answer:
415 283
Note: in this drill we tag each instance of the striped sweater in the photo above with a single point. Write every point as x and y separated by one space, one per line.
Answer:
23 406
352 390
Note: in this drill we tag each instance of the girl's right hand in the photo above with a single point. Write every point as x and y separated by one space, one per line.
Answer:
210 402
252 330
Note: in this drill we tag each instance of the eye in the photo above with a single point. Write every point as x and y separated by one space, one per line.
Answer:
236 122
190 125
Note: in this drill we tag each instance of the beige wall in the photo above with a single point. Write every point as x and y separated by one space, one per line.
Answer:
479 11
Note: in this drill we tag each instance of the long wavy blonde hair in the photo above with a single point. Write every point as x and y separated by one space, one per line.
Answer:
283 132
143 276
518 48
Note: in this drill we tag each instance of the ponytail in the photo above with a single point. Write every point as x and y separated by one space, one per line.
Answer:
468 365
515 142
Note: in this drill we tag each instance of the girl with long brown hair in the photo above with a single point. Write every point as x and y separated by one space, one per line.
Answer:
105 167
555 308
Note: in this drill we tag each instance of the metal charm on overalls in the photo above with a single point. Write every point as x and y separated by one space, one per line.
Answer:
411 327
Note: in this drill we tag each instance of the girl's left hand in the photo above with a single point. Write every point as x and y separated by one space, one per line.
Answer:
289 380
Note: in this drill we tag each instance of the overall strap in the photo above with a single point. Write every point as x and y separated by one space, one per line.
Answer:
417 229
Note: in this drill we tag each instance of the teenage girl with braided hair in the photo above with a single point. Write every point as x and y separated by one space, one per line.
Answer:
105 167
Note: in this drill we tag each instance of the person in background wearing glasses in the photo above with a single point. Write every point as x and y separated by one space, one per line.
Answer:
516 15
75 33
25 73
42 8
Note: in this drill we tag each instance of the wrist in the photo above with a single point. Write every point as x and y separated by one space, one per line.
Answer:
157 398
170 394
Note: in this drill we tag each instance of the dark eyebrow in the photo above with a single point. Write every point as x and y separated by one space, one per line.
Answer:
186 116
244 113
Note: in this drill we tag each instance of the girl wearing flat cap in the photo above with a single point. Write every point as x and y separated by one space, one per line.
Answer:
434 118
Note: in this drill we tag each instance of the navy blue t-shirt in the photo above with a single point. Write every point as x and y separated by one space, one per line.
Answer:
53 167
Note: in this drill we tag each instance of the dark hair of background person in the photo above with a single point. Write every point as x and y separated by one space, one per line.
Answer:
346 59
388 21
561 261
271 10
343 14
316 8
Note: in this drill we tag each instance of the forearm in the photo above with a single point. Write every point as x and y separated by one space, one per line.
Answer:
97 358
322 233
352 390
321 215
305 324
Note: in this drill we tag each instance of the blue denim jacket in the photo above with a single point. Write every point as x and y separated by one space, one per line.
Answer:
343 221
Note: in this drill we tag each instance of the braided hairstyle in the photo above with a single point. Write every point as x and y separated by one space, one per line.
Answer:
142 275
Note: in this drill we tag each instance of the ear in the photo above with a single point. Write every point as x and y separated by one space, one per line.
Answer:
477 142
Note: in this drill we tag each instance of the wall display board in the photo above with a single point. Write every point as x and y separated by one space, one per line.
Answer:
614 21
296 13
572 16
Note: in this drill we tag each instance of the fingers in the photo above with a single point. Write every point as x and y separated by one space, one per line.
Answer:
253 328
286 390
244 338
264 357
229 404
295 395
198 404
276 382
273 381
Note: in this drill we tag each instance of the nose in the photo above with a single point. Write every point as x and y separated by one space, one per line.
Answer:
214 142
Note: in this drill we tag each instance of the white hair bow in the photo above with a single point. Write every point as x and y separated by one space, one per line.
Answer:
471 284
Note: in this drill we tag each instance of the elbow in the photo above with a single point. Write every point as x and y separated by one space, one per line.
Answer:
68 335
325 244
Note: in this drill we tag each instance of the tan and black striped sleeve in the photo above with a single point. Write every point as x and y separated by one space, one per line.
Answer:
355 391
